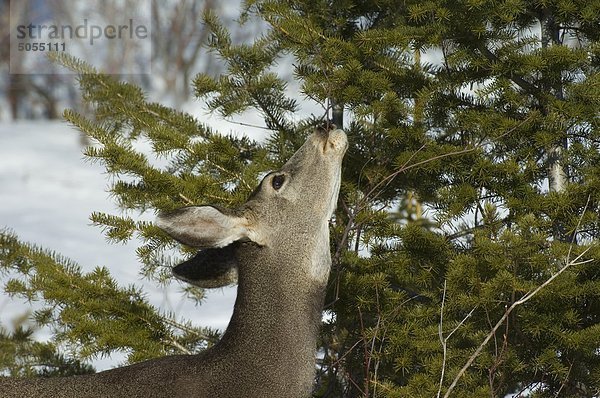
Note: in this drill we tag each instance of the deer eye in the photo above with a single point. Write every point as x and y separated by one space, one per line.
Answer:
277 181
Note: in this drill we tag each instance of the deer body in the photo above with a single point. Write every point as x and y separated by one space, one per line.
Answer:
278 245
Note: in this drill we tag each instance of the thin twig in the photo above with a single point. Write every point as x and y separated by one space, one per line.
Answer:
232 174
188 329
181 348
373 340
444 340
386 181
522 300
577 227
564 383
187 200
255 126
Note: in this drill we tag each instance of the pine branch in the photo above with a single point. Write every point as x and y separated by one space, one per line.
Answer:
529 88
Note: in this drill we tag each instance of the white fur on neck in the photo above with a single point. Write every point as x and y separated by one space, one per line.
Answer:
320 260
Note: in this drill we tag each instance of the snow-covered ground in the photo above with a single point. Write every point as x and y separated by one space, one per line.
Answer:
47 193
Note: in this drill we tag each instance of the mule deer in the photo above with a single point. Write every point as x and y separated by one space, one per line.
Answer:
277 246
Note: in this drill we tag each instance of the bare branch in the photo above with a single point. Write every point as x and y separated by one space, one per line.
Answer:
235 176
386 181
444 340
524 299
181 348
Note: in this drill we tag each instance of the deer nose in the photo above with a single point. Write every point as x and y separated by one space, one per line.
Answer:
337 140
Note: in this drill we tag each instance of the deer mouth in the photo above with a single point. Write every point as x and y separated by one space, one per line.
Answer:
336 141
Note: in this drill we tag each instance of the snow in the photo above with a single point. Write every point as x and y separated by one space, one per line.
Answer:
47 194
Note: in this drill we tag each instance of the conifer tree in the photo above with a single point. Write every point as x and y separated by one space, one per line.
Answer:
464 248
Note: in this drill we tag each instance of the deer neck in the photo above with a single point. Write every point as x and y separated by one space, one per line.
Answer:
277 310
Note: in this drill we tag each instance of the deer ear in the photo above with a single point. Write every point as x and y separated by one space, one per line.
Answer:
210 268
205 226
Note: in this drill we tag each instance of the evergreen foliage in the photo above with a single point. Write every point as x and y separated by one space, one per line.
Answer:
22 356
462 117
89 316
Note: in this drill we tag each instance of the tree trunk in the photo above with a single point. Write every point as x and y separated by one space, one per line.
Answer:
557 174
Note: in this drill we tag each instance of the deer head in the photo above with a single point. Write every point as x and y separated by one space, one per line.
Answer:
288 212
